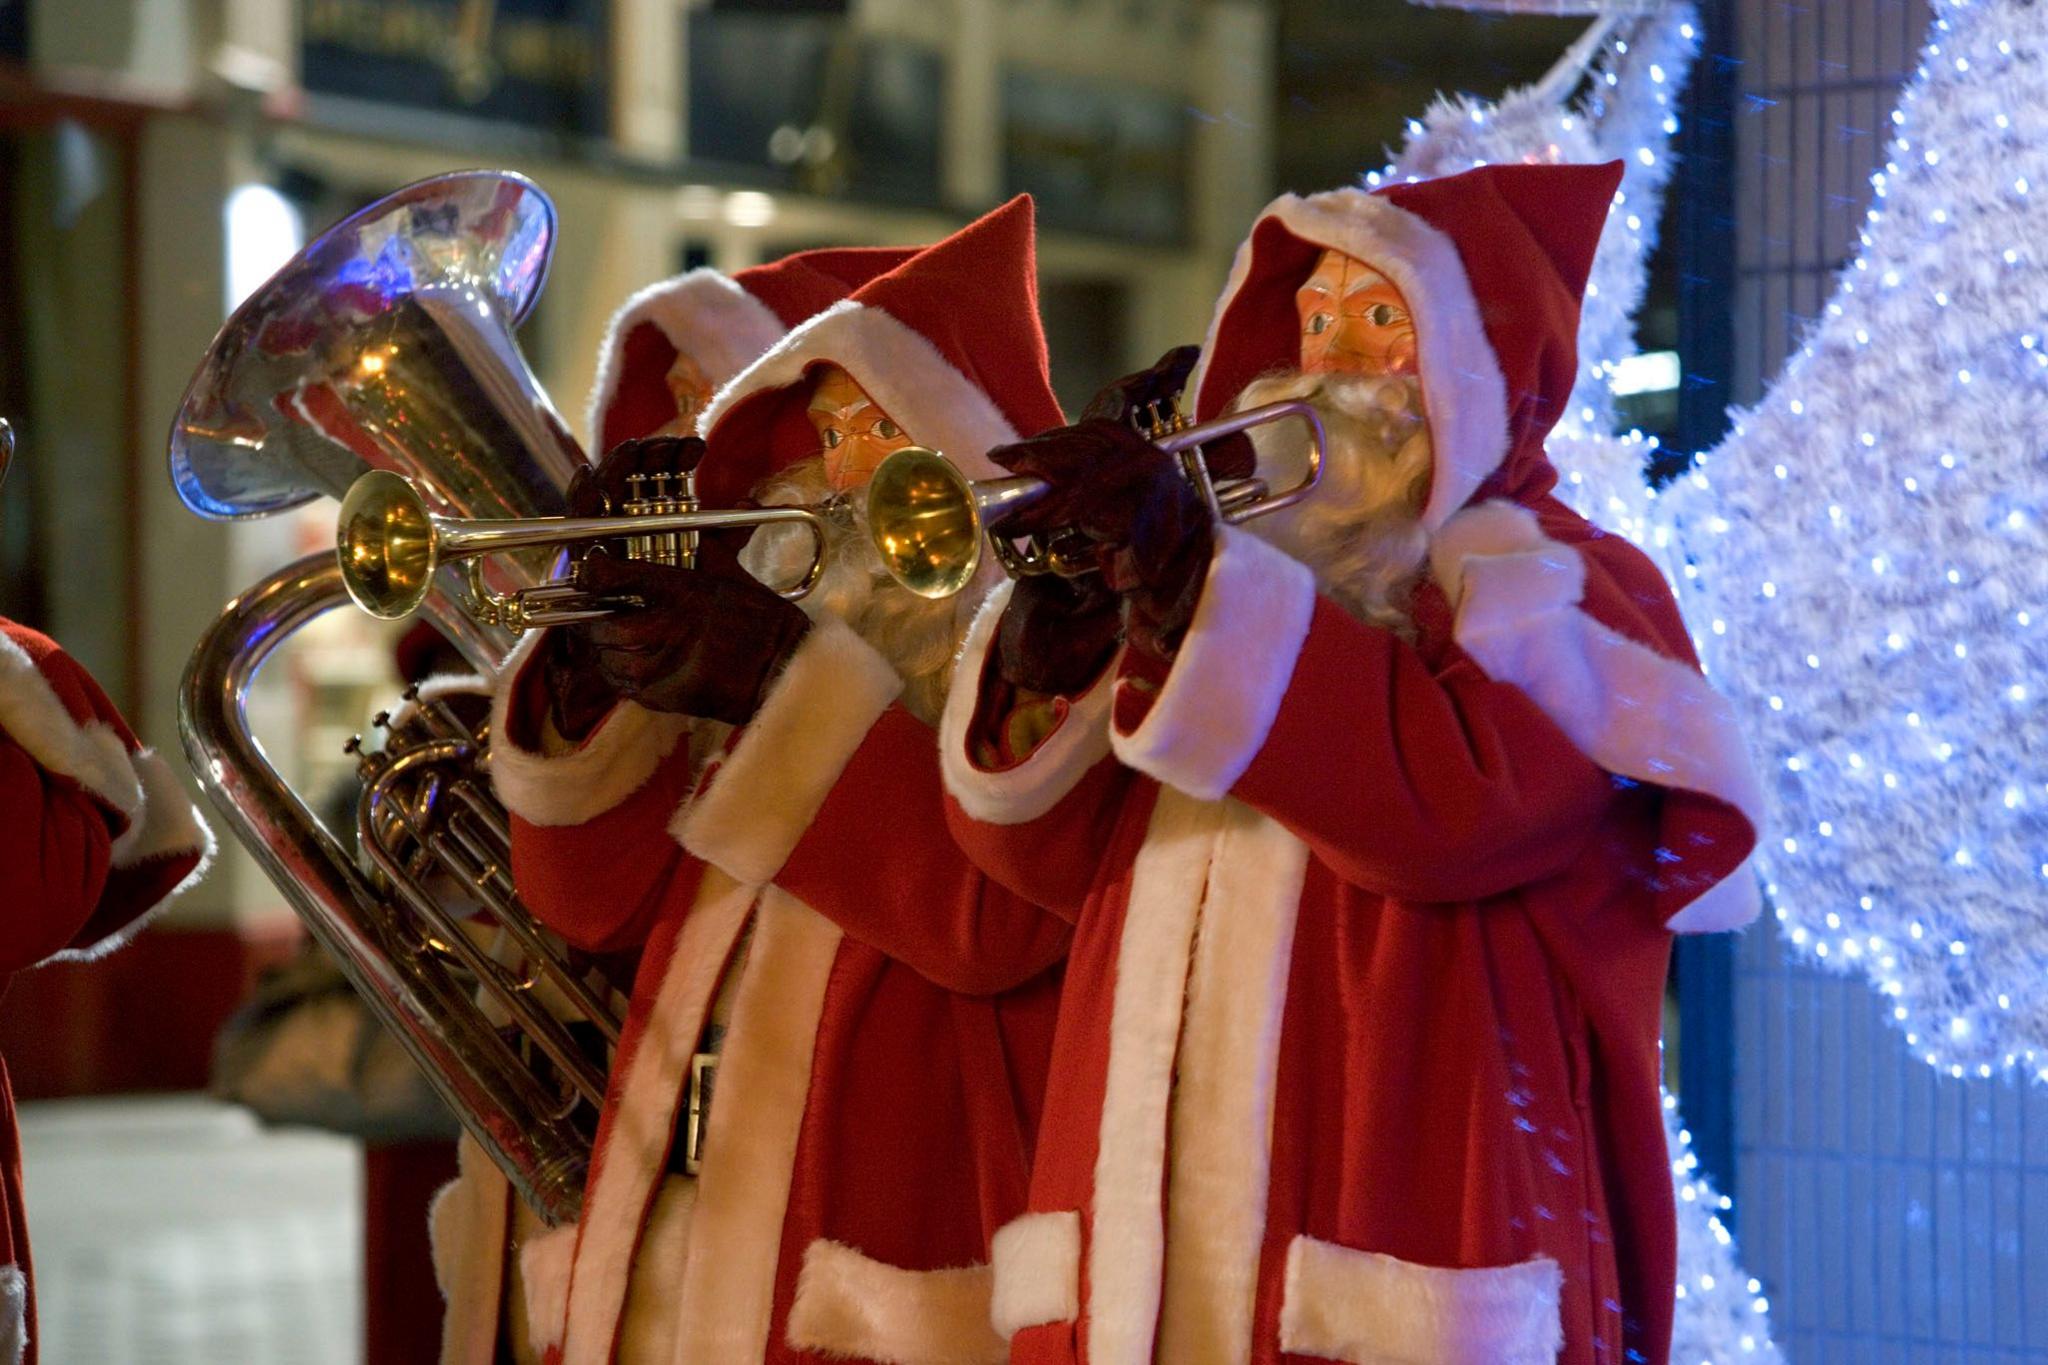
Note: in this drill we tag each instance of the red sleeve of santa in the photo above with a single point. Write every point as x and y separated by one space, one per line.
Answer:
591 852
96 833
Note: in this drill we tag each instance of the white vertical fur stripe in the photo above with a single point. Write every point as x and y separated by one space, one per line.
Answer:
705 315
769 787
852 1305
647 1336
1367 1309
13 1314
764 1077
467 1229
1222 1120
1462 384
898 367
644 1104
1217 706
1036 1258
582 783
1128 1248
1625 706
1033 787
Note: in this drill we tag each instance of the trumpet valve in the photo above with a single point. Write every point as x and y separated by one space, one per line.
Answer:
637 505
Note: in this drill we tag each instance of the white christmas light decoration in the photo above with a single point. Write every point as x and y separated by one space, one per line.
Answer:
1891 490
1630 114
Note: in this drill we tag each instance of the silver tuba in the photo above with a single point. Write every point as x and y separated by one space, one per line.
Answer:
388 344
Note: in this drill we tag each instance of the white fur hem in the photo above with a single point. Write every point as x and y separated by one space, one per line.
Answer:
544 1275
90 754
1367 1309
705 315
468 1225
848 1304
13 1314
1462 385
1037 1264
582 784
167 827
1625 706
1016 795
899 368
1218 704
766 792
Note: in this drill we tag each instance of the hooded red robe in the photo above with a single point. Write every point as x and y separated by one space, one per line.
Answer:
1358 1057
96 834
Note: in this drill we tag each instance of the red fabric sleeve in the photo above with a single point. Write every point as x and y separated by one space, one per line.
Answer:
1054 860
55 847
601 884
1424 785
878 861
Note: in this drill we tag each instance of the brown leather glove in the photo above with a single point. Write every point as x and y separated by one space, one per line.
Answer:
1056 633
600 490
708 642
1133 399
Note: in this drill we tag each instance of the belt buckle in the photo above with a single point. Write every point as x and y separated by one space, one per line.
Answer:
703 1076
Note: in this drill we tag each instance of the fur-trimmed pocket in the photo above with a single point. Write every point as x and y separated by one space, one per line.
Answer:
1037 1262
1365 1308
852 1305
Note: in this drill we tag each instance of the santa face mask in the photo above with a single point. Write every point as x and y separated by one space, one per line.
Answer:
1353 320
854 434
691 389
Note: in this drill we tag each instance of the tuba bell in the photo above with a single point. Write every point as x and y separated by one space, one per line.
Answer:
386 347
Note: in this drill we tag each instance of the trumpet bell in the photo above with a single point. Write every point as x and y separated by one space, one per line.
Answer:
922 519
386 541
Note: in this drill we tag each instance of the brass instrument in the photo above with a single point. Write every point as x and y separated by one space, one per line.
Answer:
6 448
929 521
387 345
390 543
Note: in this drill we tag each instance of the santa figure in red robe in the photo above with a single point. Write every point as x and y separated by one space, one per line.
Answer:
1387 809
824 1103
666 351
96 835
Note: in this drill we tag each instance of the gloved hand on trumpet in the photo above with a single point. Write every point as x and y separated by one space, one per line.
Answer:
701 641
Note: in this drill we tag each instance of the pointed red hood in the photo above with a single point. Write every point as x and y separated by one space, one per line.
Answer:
1492 262
724 322
948 343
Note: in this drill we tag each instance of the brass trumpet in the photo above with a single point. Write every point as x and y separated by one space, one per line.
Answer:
929 521
389 543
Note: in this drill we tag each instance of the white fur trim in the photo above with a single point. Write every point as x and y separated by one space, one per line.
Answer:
1368 1309
643 1103
1128 1249
764 1085
1037 1264
1223 1089
705 315
585 782
544 1264
648 1334
169 827
92 754
1217 706
899 368
1462 385
1030 789
1628 708
769 788
13 1314
468 1225
852 1305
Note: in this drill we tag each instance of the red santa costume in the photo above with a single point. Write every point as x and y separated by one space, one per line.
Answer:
722 324
1359 1053
95 836
890 1008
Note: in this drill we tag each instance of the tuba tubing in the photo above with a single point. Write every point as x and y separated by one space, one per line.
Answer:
517 1121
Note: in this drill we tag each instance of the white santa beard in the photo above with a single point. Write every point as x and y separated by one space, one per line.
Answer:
918 636
1360 531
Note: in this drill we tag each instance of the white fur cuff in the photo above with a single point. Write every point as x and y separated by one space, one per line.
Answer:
1369 1309
851 1305
1217 707
1037 1261
1020 794
569 788
770 787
